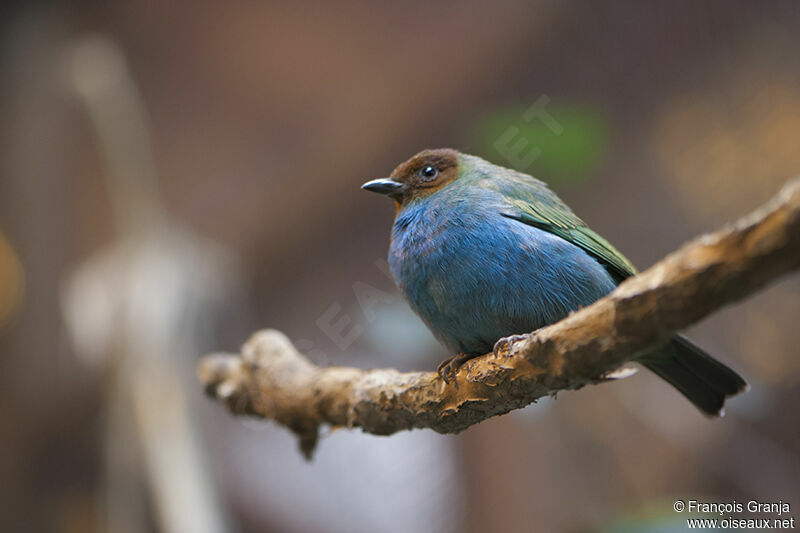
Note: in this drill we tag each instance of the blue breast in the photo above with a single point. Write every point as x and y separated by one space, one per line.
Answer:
474 275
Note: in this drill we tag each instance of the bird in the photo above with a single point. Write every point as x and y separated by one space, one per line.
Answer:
482 253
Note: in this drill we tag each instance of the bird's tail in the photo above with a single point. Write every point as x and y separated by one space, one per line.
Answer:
702 379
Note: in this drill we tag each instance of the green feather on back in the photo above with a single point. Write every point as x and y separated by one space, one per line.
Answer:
533 203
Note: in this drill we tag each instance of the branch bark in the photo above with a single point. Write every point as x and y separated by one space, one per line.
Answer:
271 379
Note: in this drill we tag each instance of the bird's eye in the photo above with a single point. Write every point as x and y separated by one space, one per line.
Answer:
428 172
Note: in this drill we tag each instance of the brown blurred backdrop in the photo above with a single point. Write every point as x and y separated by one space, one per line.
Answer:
175 175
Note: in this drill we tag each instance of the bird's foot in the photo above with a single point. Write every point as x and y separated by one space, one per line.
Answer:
449 367
502 348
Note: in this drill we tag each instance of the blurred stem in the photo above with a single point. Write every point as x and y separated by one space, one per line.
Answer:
98 73
146 396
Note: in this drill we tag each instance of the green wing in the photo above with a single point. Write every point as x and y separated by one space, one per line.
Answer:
532 203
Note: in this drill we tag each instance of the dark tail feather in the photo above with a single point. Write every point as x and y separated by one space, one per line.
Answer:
702 379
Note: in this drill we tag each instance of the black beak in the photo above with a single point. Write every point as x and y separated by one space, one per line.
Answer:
385 186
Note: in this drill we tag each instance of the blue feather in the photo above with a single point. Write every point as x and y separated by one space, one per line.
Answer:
474 275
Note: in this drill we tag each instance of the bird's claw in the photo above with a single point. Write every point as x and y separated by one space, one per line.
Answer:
448 368
502 348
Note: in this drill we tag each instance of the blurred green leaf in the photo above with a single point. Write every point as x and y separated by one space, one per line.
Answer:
567 154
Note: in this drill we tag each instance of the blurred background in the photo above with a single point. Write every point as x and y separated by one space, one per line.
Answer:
174 176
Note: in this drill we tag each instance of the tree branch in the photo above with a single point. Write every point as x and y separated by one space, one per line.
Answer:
270 379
